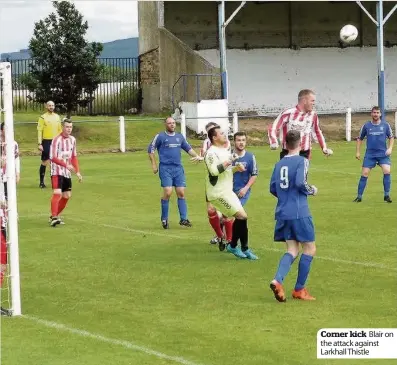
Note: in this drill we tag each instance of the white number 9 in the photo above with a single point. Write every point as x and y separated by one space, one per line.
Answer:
284 184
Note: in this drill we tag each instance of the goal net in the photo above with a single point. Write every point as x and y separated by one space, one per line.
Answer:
10 283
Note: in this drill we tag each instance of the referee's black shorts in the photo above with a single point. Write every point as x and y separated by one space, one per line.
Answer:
303 153
45 154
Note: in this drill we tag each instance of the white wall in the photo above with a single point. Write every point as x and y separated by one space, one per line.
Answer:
267 80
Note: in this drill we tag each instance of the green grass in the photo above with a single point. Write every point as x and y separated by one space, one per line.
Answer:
113 271
31 117
94 134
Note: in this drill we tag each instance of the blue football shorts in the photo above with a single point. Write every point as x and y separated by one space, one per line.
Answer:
300 230
172 175
370 162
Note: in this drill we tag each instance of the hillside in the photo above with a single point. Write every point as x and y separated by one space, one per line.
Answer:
115 49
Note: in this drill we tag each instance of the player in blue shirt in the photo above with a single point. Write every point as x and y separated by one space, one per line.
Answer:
377 153
242 181
294 223
169 145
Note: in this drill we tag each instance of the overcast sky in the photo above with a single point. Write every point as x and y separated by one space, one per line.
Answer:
108 20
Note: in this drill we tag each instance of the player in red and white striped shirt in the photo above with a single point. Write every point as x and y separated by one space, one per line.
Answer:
303 118
63 157
223 227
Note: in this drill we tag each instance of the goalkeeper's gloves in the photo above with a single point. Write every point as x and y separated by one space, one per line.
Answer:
327 151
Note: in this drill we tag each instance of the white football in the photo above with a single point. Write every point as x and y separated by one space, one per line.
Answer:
348 33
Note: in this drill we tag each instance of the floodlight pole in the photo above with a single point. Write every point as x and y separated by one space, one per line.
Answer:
222 24
380 22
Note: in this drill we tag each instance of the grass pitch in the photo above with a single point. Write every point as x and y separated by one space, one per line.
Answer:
112 287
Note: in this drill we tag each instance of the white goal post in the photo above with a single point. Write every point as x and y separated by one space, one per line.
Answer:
6 107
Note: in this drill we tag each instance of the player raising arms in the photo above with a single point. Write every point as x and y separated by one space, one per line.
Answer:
219 223
302 118
377 153
219 191
294 223
169 145
63 157
48 126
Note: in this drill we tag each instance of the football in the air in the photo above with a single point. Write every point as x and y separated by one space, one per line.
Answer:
348 33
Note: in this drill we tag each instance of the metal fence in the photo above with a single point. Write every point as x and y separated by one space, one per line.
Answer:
196 87
118 93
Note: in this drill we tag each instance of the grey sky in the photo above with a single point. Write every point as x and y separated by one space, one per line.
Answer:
108 20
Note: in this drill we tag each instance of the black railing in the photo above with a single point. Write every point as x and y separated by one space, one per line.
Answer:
118 93
196 87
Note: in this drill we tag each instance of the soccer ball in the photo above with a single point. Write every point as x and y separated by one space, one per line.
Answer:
348 33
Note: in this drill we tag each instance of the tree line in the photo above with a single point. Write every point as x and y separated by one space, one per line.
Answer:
64 66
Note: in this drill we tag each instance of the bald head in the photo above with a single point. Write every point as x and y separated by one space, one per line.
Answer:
170 125
50 105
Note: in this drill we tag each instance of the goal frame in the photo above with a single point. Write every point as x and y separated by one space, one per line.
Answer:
12 212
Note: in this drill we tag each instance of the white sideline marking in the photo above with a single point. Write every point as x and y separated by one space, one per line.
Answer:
342 261
113 341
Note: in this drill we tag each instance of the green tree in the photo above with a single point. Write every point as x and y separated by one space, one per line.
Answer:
65 67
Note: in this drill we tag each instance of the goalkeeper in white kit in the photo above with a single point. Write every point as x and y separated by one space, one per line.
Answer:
219 191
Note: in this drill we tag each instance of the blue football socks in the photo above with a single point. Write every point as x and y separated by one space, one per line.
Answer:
284 267
182 206
361 186
303 271
164 209
386 184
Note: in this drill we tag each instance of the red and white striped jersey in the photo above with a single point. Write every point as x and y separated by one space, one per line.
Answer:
296 119
207 144
2 200
62 153
4 160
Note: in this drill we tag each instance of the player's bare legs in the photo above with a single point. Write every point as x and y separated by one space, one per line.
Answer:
362 184
182 206
379 147
386 182
165 199
300 291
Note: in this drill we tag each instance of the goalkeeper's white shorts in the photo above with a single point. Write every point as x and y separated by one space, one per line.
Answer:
229 204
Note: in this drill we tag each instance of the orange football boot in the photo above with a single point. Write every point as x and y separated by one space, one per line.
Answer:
302 294
278 291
